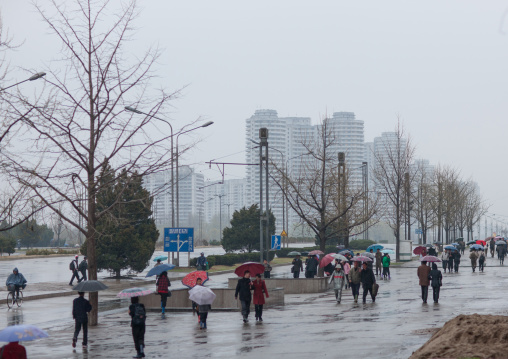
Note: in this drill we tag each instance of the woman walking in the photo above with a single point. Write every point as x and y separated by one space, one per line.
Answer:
444 259
386 266
163 285
337 278
436 281
259 287
355 279
347 269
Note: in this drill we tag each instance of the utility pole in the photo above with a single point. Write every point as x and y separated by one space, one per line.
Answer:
220 215
408 195
365 180
263 143
342 198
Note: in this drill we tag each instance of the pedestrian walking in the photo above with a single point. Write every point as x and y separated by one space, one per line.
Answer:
83 266
436 281
260 291
80 309
379 261
456 260
423 274
386 266
159 262
297 267
473 256
201 262
203 310
73 266
13 350
444 259
243 288
462 247
137 312
372 256
195 306
492 245
368 279
450 260
268 269
163 285
337 278
355 279
481 261
432 252
312 266
347 269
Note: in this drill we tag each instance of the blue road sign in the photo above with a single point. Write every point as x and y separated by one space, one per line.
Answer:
178 239
418 231
276 242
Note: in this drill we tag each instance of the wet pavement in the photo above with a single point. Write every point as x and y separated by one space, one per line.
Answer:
308 325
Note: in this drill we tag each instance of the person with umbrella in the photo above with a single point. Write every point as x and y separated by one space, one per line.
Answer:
436 281
379 261
355 279
80 309
163 285
297 266
243 288
337 278
456 260
492 244
368 280
386 266
137 312
260 291
481 261
450 260
13 350
423 275
201 262
444 259
473 257
312 266
347 269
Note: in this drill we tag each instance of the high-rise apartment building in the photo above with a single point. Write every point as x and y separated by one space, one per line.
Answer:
232 192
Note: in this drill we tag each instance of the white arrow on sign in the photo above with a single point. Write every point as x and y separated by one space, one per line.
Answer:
179 244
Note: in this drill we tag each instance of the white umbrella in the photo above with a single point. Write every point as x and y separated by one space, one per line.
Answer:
368 254
201 295
340 257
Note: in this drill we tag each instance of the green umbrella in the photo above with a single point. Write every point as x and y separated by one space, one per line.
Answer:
294 253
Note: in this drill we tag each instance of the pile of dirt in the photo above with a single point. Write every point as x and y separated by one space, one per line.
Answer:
468 336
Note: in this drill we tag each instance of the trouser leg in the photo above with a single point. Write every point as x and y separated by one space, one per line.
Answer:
85 333
267 274
260 310
77 329
296 274
365 291
203 317
245 308
425 292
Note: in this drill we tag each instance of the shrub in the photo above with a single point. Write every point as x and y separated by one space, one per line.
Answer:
231 259
214 242
360 244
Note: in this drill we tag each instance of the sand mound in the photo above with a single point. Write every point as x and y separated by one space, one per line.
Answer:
468 336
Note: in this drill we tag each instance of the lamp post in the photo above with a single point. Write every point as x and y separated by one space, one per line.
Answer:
34 77
220 215
206 124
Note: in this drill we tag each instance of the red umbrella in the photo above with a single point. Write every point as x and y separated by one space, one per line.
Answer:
482 242
316 252
329 258
430 259
190 279
420 250
361 259
253 267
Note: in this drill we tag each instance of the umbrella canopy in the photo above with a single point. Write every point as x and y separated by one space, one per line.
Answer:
344 251
90 286
455 244
428 245
160 258
388 251
305 253
22 333
201 295
315 252
500 243
476 247
370 255
438 242
374 247
419 250
294 253
430 259
459 239
329 258
498 238
361 259
482 242
253 267
190 279
451 248
159 269
471 242
134 292
338 256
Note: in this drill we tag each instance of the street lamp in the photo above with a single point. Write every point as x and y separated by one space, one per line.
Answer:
220 215
34 77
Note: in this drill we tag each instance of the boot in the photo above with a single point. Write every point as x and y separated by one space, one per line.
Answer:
141 350
356 299
138 355
204 325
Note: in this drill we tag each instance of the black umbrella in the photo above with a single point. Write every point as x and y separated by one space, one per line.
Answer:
471 242
90 286
438 242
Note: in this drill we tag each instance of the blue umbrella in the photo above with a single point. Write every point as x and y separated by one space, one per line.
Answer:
451 248
21 333
388 251
476 246
159 269
455 244
374 247
162 258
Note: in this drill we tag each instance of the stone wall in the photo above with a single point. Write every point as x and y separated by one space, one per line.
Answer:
291 285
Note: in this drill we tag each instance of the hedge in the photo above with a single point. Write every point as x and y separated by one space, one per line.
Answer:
230 259
361 244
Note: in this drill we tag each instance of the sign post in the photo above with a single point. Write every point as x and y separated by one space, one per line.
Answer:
179 240
276 242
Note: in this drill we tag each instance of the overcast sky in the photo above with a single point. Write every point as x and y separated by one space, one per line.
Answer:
439 65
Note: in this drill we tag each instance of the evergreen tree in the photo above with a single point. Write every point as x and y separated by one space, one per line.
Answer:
243 235
126 237
7 241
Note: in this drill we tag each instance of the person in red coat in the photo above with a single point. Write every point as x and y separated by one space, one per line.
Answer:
13 350
259 287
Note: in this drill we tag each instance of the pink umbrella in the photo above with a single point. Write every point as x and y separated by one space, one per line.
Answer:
315 252
361 259
430 259
326 260
134 292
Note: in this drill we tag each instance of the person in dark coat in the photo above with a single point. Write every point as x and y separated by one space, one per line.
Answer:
481 261
80 309
73 266
259 288
243 289
312 266
423 275
83 266
368 279
138 326
450 261
492 245
436 281
163 285
297 267
268 268
355 279
456 260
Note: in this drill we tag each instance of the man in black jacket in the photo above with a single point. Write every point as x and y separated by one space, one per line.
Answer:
80 309
297 267
368 280
83 266
312 266
243 288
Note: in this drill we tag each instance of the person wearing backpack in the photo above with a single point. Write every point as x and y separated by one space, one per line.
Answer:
73 266
138 314
83 266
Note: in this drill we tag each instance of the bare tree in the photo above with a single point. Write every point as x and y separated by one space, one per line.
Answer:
392 162
80 126
423 198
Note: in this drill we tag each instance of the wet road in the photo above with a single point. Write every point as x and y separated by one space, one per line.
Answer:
308 325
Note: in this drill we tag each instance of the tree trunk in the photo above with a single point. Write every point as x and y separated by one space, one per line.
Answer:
322 247
117 273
